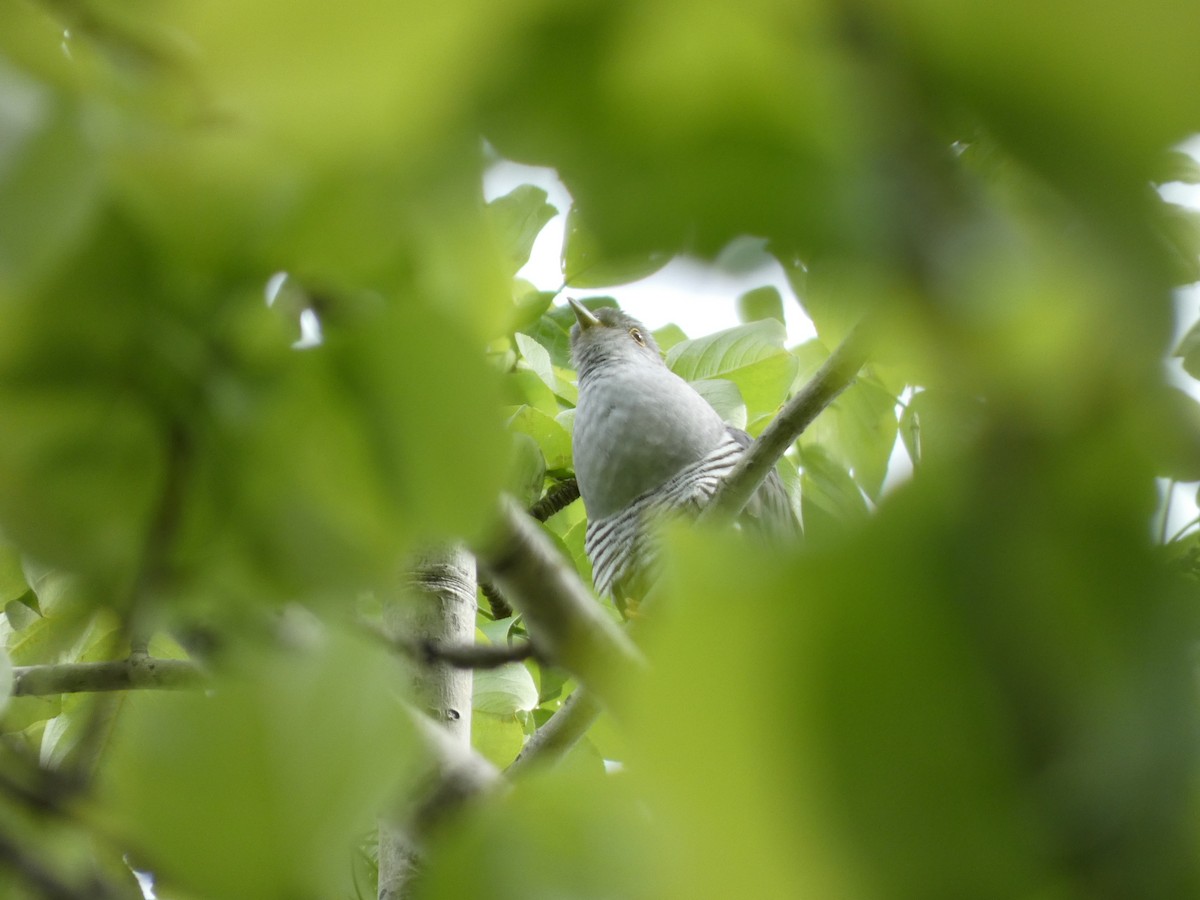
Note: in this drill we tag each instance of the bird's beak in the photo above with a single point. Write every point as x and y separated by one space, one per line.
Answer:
583 315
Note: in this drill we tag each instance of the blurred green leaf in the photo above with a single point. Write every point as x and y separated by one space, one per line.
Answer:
570 833
49 178
830 500
1189 350
23 713
12 576
760 303
530 304
586 264
518 218
1178 166
6 680
1172 427
497 738
528 469
1181 229
551 437
723 396
938 425
668 336
273 800
859 431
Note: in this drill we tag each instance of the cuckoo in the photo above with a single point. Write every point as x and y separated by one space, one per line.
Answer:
646 443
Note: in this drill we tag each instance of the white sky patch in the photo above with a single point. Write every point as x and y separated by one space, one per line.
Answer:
696 295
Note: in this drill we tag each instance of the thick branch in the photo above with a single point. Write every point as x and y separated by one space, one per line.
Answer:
555 500
831 379
564 619
138 672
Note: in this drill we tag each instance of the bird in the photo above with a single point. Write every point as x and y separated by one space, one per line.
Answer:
646 444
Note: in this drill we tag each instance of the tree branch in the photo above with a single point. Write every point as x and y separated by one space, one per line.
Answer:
564 619
137 672
473 656
556 499
831 379
559 734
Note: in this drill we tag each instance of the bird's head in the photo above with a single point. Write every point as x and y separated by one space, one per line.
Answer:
609 337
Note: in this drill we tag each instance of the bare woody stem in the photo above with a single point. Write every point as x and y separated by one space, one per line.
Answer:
136 672
564 620
831 379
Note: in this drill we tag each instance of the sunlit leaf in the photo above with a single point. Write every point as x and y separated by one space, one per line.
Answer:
504 691
751 356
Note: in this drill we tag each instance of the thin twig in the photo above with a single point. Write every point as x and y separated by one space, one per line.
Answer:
474 656
556 499
560 733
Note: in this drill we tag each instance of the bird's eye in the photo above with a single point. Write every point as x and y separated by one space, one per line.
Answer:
638 337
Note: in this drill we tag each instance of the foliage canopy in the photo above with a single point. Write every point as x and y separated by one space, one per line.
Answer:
978 684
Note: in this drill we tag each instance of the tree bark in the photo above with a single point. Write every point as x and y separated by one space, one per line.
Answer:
434 605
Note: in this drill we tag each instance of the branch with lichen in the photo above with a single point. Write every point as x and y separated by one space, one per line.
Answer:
136 672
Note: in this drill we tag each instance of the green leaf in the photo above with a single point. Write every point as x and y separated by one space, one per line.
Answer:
859 431
528 469
553 333
668 336
937 426
751 356
279 769
572 832
1178 166
723 396
551 437
1189 350
50 178
529 304
538 359
504 691
1180 228
760 303
518 217
830 500
24 713
1172 427
6 680
498 738
586 264
12 576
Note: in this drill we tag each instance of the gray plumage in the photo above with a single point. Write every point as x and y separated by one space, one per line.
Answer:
645 444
